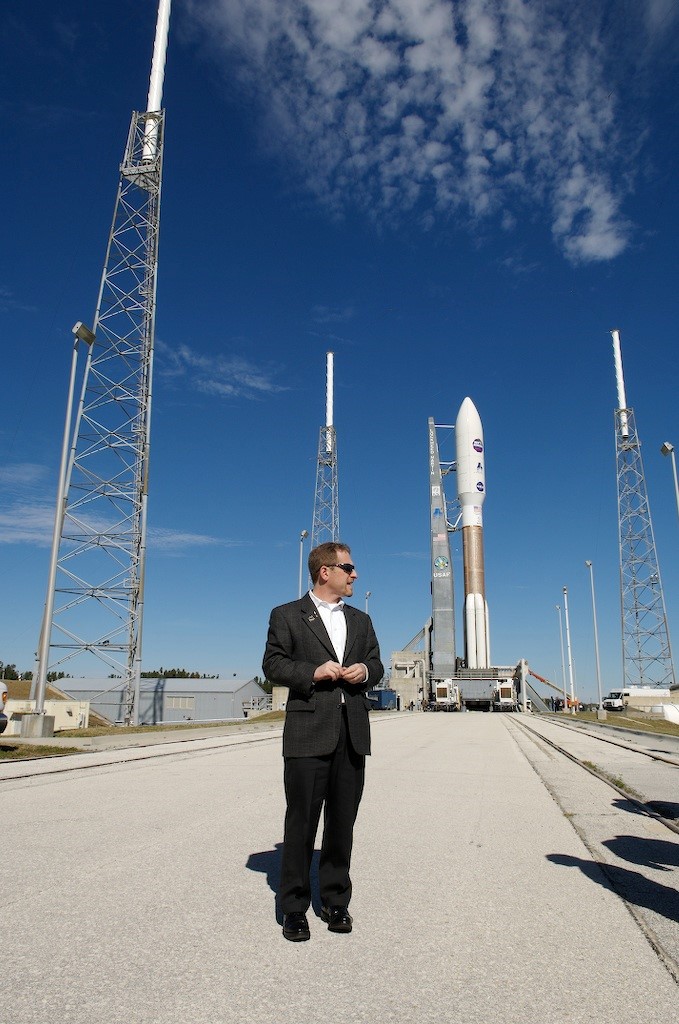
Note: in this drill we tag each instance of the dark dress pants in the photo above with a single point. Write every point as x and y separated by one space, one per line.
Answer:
336 779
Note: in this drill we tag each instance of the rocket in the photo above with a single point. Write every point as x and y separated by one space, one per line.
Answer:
471 493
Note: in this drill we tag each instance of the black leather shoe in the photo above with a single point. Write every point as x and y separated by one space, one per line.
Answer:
296 927
338 919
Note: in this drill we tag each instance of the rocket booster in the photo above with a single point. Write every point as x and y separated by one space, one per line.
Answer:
471 493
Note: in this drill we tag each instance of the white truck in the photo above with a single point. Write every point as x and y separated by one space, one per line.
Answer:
505 694
636 697
447 695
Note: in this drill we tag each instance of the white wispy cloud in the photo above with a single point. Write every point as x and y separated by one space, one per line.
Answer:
32 522
8 301
225 375
660 14
21 475
175 541
444 109
332 314
26 522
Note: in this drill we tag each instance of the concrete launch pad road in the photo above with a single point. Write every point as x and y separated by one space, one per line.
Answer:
143 892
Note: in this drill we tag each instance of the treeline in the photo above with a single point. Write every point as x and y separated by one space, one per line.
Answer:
175 673
11 672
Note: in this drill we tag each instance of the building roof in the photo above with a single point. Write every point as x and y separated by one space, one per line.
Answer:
168 685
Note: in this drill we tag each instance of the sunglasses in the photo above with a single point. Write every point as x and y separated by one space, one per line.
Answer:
347 566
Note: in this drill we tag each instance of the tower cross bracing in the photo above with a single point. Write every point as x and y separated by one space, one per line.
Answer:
99 588
326 501
646 651
325 525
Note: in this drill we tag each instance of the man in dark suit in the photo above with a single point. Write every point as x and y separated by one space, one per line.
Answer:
327 653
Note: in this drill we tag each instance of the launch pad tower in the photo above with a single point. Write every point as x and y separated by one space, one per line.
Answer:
646 652
326 501
442 584
95 598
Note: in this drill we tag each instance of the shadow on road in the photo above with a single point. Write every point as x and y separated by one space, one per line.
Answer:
268 862
665 808
631 885
651 853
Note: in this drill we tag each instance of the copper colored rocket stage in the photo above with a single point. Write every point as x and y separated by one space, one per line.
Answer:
471 492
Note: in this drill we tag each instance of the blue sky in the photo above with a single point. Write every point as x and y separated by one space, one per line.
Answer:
456 198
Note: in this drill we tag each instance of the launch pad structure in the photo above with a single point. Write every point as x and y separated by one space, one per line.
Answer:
442 584
325 526
95 594
646 652
435 673
428 672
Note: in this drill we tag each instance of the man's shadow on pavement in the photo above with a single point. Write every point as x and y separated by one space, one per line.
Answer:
665 808
631 885
268 862
660 854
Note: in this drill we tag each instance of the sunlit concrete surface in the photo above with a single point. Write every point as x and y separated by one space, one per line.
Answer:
143 892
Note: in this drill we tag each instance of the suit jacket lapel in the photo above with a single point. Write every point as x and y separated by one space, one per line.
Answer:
350 616
312 619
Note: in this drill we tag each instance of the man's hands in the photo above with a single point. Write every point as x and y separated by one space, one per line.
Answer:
354 673
333 670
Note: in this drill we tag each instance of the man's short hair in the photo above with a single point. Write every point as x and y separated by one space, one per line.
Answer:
325 554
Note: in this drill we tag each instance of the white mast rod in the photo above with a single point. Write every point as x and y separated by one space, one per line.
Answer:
159 51
620 382
329 393
329 401
155 99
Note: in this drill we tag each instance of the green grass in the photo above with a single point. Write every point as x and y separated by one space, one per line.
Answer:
615 779
12 751
21 751
654 725
132 730
270 716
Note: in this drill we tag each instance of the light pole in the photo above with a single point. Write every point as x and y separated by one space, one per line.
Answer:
368 595
36 727
600 710
568 648
563 663
668 449
303 534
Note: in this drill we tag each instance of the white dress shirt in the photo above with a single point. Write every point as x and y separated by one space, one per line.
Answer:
332 617
334 620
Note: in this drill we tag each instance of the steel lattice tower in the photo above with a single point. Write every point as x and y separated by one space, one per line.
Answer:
442 582
646 651
98 599
326 502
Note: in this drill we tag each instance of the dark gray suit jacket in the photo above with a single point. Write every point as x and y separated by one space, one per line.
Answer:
297 644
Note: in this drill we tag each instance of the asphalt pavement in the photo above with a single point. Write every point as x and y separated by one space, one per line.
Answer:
139 887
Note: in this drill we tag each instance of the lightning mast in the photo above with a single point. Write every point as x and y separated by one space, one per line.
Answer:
326 502
96 605
646 652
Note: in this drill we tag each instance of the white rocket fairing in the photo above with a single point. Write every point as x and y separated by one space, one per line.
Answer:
471 493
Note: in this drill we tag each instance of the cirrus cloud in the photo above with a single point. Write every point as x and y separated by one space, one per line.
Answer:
227 376
472 110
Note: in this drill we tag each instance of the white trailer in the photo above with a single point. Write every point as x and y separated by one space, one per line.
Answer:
505 695
447 695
